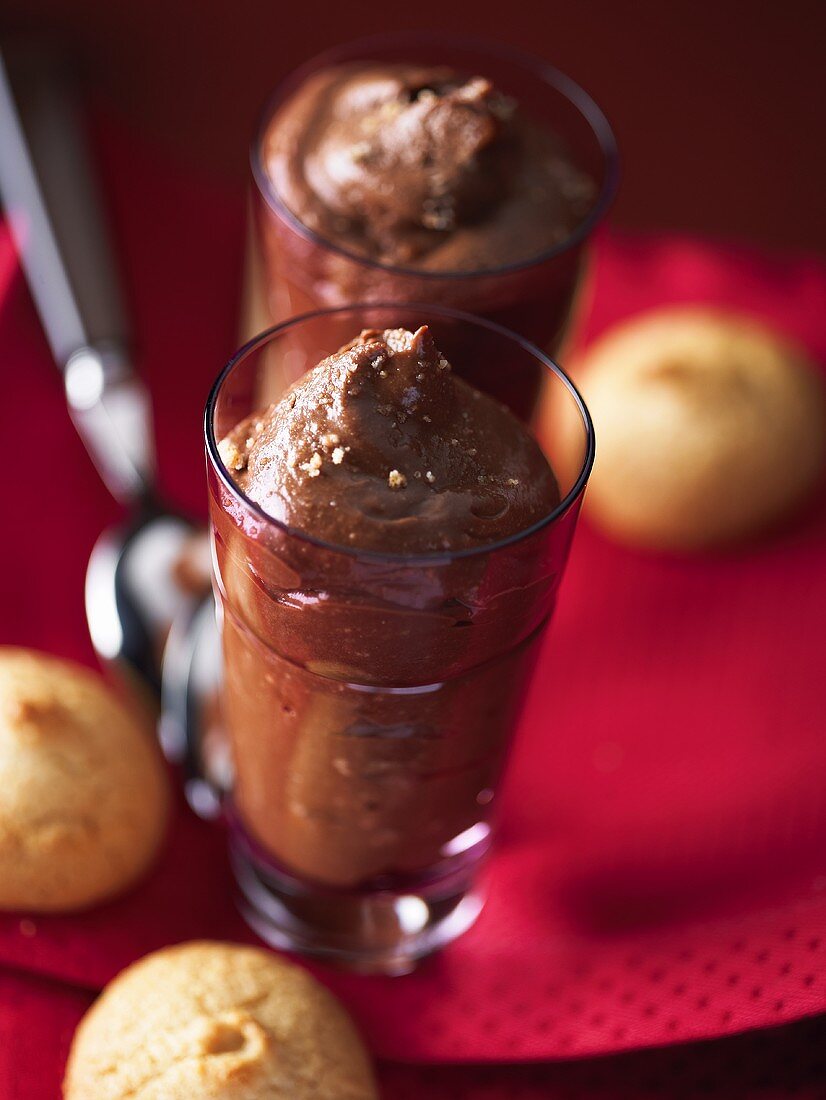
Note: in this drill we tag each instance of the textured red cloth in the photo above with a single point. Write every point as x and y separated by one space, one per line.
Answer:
38 1017
661 872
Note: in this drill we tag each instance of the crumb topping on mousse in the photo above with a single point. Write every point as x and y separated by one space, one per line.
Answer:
381 446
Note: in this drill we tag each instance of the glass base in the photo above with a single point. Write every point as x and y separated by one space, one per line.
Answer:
381 931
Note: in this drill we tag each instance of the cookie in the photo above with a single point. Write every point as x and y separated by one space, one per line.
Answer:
710 429
83 791
217 1021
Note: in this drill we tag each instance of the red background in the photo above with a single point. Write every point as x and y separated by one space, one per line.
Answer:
717 106
718 117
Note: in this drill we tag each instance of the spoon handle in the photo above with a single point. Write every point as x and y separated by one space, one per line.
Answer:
54 213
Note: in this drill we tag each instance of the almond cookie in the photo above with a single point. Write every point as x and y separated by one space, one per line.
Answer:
710 428
217 1021
83 791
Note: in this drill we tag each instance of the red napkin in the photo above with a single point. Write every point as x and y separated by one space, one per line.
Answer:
38 1018
660 875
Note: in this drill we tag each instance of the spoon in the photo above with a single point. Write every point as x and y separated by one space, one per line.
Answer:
133 586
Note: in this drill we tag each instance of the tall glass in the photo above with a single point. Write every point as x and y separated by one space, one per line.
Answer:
298 270
370 698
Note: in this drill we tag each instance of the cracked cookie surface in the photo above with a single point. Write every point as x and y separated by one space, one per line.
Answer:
217 1021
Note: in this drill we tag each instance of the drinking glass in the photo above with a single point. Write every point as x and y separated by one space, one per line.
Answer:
295 270
370 698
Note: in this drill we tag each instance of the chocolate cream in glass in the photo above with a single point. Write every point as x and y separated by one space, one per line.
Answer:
383 448
409 168
388 544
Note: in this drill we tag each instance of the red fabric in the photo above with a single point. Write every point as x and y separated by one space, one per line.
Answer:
660 875
39 1017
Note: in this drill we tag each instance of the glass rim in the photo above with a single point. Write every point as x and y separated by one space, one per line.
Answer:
431 557
573 92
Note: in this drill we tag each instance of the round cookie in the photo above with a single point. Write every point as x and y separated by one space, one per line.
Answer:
710 428
83 791
217 1021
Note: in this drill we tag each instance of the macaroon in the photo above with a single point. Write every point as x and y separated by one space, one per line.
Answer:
84 794
710 427
217 1021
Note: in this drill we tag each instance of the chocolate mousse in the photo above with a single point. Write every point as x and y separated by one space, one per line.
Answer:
423 168
383 448
370 700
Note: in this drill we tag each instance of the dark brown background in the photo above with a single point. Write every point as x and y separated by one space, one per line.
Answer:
718 106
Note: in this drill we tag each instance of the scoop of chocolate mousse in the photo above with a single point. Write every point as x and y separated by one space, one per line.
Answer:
423 167
382 447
